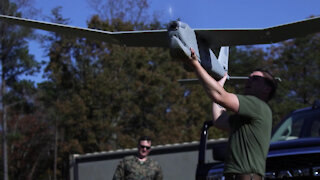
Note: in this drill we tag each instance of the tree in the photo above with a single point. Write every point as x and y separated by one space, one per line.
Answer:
134 11
297 62
15 60
107 95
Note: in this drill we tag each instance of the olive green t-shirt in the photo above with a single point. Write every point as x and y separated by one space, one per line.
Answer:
249 137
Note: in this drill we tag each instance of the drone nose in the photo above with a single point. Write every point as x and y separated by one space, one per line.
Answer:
173 25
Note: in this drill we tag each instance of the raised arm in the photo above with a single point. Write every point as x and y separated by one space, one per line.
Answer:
213 89
220 117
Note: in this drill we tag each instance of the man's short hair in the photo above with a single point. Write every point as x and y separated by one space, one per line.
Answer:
271 82
144 138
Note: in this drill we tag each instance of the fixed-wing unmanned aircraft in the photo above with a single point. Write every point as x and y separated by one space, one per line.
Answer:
179 37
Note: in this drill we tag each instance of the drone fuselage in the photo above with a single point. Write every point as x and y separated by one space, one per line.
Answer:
182 38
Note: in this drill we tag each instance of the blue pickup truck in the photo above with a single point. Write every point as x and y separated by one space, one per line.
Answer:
294 150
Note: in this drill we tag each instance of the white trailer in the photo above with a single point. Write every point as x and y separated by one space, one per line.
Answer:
178 161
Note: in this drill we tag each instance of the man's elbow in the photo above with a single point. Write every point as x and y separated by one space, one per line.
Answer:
217 98
227 100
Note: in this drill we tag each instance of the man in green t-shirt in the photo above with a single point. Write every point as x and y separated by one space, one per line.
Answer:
249 127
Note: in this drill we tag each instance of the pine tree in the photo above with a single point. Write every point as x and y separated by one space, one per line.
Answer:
15 61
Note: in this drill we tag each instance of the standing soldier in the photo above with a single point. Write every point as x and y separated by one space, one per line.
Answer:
140 166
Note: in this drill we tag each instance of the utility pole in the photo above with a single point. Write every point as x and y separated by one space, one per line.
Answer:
55 149
4 130
4 144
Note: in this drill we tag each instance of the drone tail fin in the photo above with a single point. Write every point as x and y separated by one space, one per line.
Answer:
224 57
217 66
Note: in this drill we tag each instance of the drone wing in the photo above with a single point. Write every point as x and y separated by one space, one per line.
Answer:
231 37
148 38
159 38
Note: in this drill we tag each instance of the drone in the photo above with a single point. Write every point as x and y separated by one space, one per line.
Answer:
179 37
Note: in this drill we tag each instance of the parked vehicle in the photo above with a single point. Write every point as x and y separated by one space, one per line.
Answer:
294 150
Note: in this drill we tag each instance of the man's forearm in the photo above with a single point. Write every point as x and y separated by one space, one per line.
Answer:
220 117
213 89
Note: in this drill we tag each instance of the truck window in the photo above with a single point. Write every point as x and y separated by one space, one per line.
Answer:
290 129
315 128
298 125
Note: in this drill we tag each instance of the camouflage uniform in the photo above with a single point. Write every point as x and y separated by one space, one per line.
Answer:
130 168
